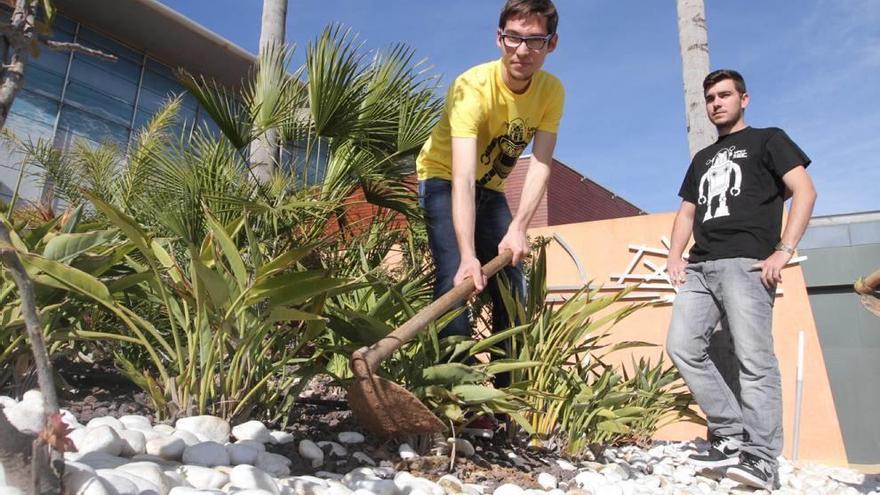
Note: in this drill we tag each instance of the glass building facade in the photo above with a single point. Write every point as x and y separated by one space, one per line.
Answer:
71 97
840 249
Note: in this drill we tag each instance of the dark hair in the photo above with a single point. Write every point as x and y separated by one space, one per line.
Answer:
522 8
717 76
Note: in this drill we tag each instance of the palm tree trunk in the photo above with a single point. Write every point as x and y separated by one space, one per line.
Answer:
693 38
265 153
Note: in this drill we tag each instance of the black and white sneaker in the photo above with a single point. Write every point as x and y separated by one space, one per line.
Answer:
723 452
754 472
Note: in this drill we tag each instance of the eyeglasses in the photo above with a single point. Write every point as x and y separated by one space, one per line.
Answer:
532 42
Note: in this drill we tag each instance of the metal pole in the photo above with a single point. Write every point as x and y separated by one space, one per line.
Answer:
798 397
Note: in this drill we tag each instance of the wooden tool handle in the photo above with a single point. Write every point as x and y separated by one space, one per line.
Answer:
377 352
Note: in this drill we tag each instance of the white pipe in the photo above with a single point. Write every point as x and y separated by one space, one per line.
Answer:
798 397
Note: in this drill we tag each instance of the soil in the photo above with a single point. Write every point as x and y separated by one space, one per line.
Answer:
94 390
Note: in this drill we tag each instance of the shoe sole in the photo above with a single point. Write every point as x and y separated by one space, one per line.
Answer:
733 461
748 479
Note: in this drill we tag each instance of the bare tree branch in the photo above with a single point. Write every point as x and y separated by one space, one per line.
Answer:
45 475
63 46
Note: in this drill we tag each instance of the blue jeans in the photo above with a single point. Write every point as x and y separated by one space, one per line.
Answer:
492 219
730 291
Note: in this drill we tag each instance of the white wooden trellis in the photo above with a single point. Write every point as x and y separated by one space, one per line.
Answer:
654 284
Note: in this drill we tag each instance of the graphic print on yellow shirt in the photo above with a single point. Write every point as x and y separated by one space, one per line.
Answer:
480 105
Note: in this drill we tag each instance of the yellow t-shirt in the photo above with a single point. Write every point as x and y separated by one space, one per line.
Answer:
480 105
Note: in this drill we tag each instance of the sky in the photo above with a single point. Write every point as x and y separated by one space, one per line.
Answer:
812 68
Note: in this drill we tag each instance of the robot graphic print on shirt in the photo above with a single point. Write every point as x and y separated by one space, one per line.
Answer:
509 147
716 182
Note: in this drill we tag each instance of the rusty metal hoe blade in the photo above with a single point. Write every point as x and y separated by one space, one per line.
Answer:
383 407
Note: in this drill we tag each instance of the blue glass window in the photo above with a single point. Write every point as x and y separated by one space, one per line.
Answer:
75 124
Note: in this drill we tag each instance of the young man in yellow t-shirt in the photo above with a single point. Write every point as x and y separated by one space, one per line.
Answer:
492 113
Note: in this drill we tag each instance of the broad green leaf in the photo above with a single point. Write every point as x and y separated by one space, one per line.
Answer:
290 314
37 235
450 412
125 223
283 262
628 411
166 261
606 413
612 426
64 247
298 293
72 279
127 281
213 283
17 243
453 374
506 365
475 394
229 249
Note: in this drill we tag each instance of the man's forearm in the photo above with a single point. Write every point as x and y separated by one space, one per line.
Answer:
682 228
802 202
532 193
463 217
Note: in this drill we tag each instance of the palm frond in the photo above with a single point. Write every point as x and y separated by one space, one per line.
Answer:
150 141
337 83
224 106
274 95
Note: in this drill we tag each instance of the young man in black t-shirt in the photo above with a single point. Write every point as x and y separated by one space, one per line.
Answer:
732 200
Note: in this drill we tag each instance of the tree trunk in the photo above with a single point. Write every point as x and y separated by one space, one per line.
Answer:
45 471
15 42
265 153
693 38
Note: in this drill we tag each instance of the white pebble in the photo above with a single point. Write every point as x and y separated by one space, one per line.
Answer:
163 429
547 481
350 437
508 489
406 452
203 478
336 449
148 471
242 454
102 439
206 428
275 464
364 458
281 437
252 430
312 452
208 454
119 483
462 446
133 443
245 476
106 421
168 448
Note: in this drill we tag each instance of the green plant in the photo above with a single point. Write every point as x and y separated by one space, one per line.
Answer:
70 243
662 396
196 234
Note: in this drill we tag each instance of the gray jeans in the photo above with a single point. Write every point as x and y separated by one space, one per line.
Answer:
730 291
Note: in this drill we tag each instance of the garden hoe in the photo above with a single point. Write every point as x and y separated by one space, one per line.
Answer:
383 407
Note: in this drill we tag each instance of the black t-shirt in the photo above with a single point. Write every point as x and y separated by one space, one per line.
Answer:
737 186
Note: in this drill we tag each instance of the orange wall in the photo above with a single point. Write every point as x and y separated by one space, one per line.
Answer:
602 249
